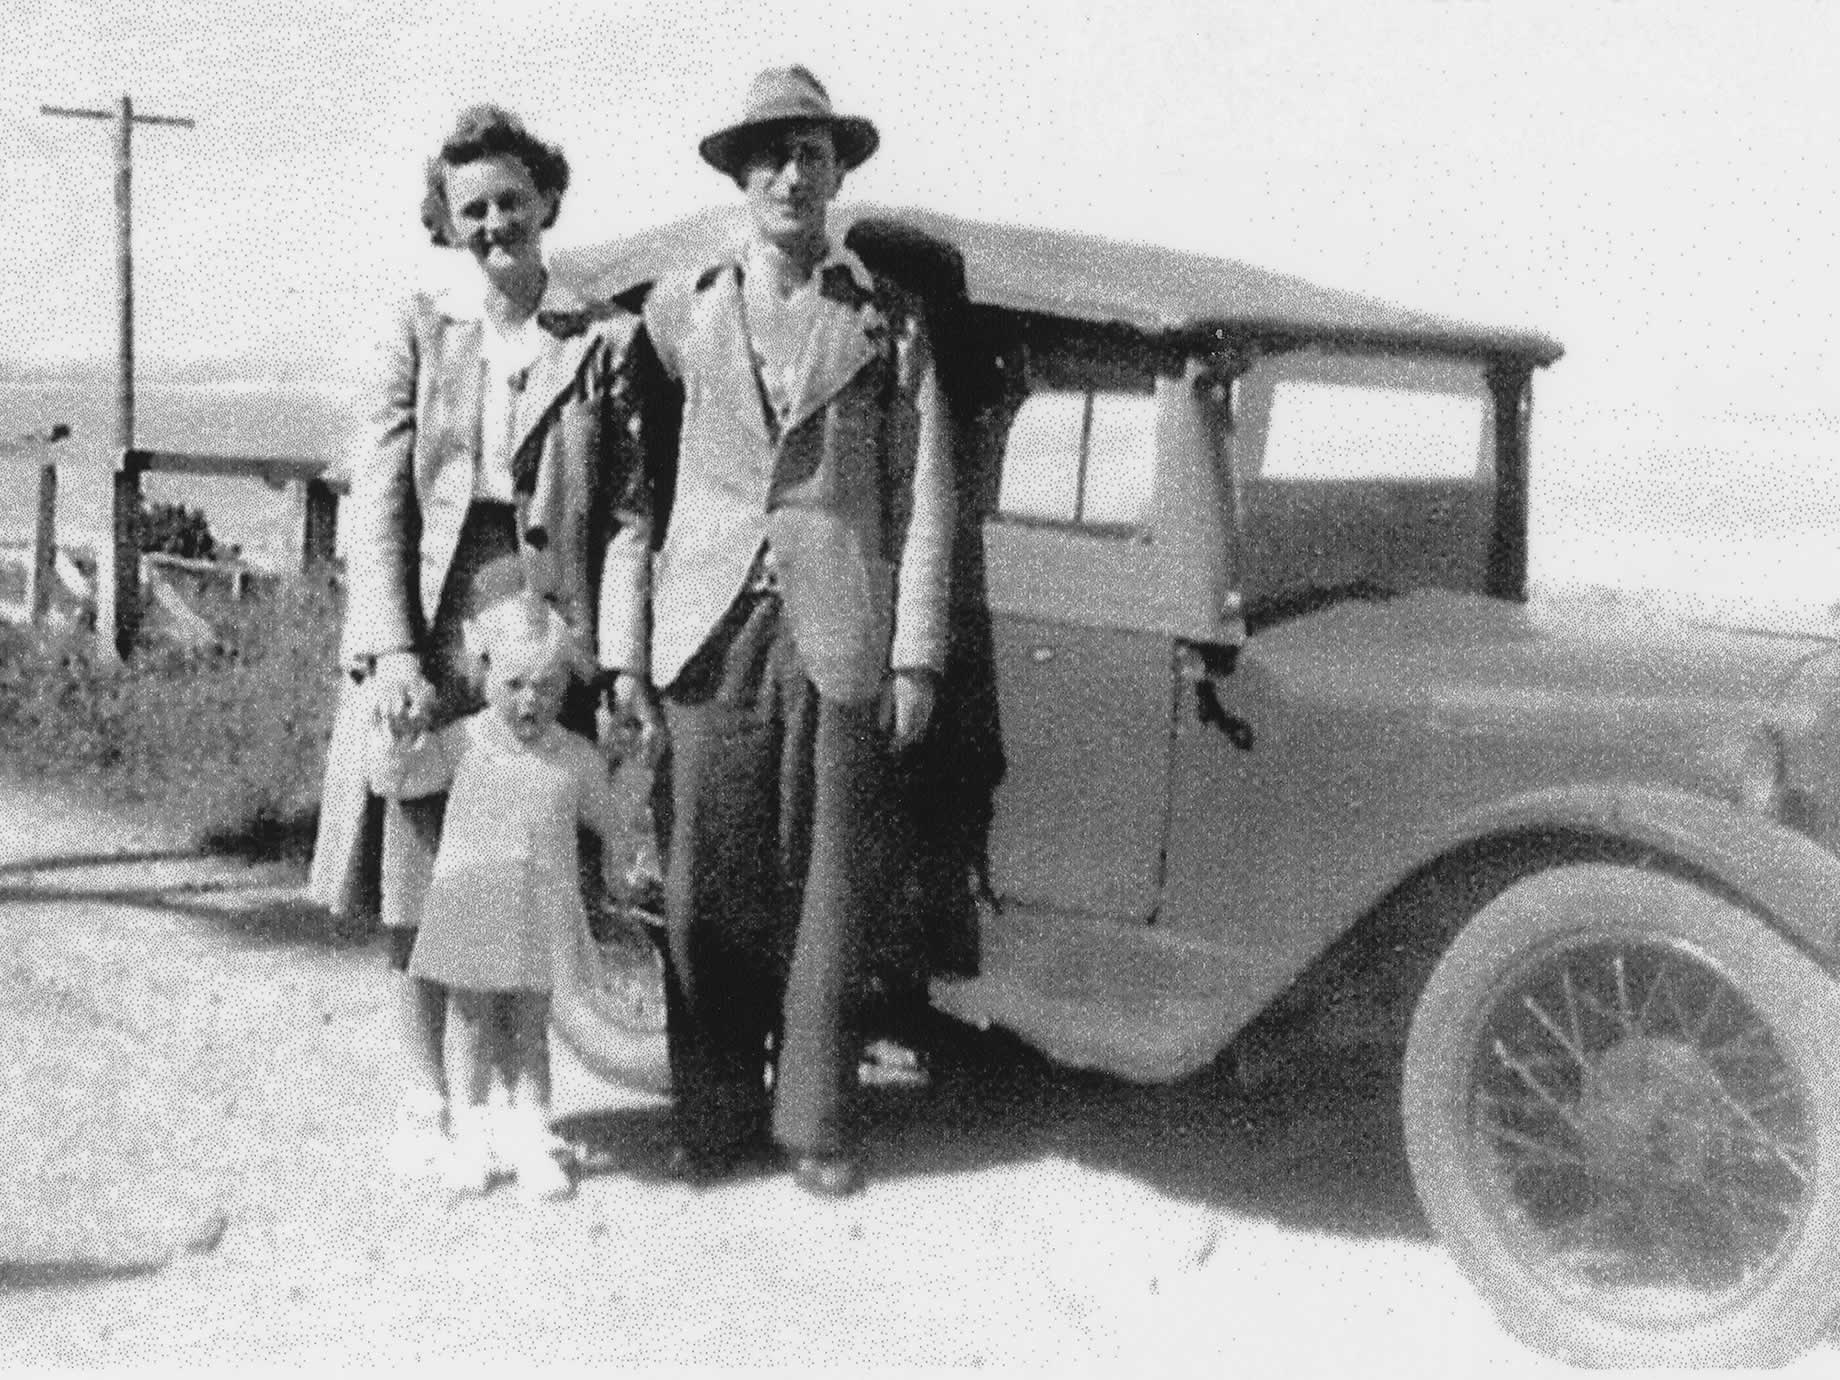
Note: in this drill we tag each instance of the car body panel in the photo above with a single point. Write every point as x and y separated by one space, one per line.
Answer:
1080 812
1151 1005
1381 736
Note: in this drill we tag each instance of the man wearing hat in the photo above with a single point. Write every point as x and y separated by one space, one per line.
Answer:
799 628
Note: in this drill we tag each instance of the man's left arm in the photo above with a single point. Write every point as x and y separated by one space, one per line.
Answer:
924 576
631 389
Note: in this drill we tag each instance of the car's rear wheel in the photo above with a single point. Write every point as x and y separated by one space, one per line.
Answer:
1622 1113
608 1001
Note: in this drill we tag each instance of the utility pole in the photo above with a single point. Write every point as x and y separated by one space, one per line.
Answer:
118 560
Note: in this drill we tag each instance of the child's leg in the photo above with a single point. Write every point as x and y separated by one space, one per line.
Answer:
527 1022
533 1149
470 1042
421 1022
500 1073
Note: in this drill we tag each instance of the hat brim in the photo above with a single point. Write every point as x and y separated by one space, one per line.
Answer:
727 149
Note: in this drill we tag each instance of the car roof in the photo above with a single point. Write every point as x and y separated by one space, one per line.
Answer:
1161 292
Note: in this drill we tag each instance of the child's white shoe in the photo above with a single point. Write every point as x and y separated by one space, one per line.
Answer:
542 1175
541 1162
418 1141
468 1164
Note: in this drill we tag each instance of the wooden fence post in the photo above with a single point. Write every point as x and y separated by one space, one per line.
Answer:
118 564
319 533
44 548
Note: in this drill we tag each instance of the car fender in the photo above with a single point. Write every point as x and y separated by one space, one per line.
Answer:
1792 879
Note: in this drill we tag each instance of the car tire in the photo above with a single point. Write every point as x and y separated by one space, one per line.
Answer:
1622 1115
607 1003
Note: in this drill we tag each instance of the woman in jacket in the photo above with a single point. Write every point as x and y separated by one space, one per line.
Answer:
501 451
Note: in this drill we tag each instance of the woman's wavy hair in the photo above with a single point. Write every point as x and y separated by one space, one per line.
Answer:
490 131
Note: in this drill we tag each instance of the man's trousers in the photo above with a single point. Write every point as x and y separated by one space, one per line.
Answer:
779 842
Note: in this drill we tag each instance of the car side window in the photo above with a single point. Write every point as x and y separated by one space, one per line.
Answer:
1081 457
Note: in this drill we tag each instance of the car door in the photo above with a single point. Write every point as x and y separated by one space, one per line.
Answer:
1366 503
1084 687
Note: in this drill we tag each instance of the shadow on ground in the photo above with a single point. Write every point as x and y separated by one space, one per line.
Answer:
51 1274
1315 1144
1312 1142
250 906
64 862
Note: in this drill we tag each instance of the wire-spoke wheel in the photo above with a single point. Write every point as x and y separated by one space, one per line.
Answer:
608 1001
1622 1110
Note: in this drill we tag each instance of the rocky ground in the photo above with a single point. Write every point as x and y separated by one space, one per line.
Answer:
199 1079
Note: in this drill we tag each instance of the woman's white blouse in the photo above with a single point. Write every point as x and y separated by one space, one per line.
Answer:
507 356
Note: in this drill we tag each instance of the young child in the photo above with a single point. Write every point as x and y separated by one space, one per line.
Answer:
505 890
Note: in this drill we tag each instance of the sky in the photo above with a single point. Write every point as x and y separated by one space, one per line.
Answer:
1652 183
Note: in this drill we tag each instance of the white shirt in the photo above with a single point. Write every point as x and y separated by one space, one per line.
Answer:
506 356
778 327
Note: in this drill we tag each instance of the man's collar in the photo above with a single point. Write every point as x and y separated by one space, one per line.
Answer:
836 256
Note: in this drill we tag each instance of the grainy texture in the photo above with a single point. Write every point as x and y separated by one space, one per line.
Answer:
203 1079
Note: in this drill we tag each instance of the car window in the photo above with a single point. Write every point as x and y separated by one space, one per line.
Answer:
1398 428
1081 456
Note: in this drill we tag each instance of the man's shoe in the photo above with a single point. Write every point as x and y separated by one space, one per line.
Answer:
693 1167
827 1176
702 1167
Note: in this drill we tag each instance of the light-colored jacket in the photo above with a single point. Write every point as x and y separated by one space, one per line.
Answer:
851 487
583 516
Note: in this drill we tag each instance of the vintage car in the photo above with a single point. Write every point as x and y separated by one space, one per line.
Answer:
1245 562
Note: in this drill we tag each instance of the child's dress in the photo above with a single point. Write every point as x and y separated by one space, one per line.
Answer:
505 888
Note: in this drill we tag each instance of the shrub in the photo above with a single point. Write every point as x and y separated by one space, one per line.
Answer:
227 742
174 530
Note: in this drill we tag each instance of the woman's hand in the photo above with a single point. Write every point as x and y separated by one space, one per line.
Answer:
636 712
400 694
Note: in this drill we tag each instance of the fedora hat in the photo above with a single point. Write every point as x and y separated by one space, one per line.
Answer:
782 95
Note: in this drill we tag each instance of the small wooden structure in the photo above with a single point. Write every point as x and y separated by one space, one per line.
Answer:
117 618
319 526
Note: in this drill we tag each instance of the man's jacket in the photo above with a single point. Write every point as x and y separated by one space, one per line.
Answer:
850 488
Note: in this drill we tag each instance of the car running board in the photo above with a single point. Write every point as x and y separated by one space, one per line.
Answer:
1090 993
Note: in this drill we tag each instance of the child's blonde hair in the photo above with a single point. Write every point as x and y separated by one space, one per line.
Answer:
531 624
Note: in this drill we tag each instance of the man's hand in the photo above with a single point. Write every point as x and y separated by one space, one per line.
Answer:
635 711
400 694
907 706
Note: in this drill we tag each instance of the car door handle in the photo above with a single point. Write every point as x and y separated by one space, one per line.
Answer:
1210 711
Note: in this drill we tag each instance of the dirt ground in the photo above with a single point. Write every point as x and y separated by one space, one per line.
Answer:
199 1079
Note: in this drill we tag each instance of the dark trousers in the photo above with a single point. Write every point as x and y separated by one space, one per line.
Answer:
776 866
